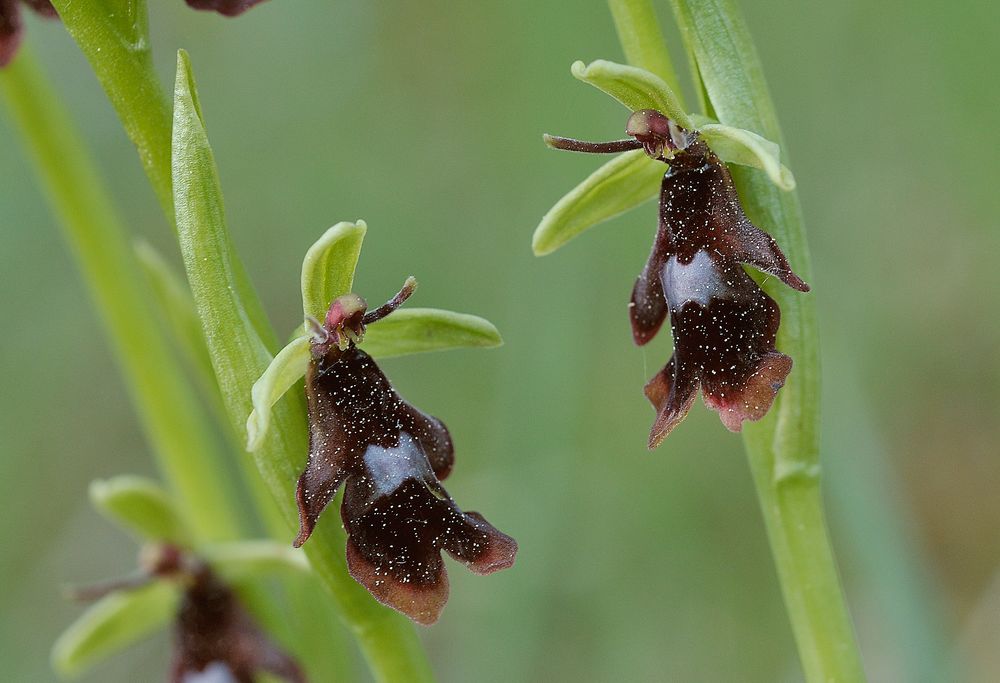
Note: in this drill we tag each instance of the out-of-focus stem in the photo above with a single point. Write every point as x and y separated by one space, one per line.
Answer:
188 452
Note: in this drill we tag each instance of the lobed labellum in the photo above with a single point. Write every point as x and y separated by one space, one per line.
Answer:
724 326
391 457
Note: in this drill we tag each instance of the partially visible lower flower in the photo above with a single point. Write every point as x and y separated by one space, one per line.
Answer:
724 326
11 24
215 639
392 457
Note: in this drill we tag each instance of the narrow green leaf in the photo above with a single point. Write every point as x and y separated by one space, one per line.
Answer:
240 560
744 147
141 507
416 330
113 623
328 268
174 299
634 87
287 368
621 184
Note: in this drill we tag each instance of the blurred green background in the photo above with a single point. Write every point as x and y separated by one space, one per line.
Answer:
425 119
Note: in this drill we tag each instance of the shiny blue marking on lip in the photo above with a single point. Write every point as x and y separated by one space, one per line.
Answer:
698 281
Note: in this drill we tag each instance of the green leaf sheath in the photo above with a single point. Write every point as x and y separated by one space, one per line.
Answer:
179 432
784 447
113 623
623 183
141 507
239 357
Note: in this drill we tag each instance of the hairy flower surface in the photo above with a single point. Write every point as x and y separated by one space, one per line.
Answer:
723 324
391 457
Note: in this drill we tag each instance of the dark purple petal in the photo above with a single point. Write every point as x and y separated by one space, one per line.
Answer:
648 308
352 407
10 30
399 519
229 8
216 636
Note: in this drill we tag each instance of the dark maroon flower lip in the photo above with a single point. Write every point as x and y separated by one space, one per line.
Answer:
390 457
723 324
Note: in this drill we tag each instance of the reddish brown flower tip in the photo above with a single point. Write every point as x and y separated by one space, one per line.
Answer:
216 640
229 8
11 26
399 519
724 326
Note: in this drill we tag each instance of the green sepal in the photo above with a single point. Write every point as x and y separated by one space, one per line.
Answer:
113 623
744 147
287 368
418 330
328 267
623 183
142 507
634 87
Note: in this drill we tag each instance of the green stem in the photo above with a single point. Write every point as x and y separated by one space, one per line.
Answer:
188 453
113 35
642 40
783 449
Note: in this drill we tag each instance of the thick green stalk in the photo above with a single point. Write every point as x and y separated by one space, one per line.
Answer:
188 453
239 357
783 448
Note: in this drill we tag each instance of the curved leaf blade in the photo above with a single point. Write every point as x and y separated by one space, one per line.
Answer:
621 184
634 87
744 147
142 507
328 267
419 330
113 623
287 368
